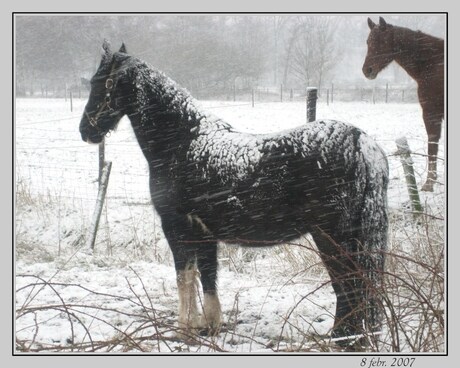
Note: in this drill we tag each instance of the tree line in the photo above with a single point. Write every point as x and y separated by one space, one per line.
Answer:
207 54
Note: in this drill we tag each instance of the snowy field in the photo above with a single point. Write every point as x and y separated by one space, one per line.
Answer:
124 299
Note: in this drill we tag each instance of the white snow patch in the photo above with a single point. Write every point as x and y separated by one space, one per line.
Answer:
56 181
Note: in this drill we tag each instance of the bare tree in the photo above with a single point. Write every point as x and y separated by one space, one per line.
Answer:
328 51
279 23
313 49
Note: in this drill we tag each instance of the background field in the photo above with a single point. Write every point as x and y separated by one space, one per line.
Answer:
123 298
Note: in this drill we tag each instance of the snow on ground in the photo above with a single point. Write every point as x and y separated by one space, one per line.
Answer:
272 299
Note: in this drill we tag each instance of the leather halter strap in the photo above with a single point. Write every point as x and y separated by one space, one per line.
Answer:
109 87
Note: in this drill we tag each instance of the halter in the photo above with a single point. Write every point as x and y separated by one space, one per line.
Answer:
109 87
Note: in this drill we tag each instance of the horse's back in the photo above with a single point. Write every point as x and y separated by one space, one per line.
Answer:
282 184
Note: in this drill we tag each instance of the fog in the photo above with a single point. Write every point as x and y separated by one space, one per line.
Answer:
208 54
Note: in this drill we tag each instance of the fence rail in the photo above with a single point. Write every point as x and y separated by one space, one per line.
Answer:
383 93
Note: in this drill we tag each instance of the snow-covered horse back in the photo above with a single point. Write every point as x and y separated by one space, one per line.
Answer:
210 183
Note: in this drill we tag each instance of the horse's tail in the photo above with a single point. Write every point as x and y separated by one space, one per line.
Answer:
374 216
374 229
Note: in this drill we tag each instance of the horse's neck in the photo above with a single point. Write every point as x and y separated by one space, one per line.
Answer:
163 113
154 89
415 51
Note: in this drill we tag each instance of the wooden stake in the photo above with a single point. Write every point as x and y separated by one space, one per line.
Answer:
99 205
101 159
312 96
408 166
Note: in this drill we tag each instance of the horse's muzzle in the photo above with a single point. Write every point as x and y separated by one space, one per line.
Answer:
90 135
369 72
93 140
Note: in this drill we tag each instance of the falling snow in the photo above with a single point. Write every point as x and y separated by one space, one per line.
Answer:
263 297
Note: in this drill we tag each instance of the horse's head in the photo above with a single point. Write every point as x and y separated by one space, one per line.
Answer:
380 48
105 106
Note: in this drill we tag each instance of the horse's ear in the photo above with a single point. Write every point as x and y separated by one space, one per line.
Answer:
370 23
382 23
123 48
106 51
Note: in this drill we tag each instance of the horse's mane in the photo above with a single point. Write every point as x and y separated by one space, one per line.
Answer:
418 43
170 94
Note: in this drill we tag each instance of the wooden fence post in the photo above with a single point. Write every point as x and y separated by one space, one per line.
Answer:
99 205
71 102
386 93
253 97
406 160
312 96
332 93
101 159
281 93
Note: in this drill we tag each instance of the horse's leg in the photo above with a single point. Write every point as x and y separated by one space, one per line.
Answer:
356 276
180 236
341 260
433 124
207 265
187 285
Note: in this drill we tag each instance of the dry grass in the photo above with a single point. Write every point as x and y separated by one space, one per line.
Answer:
412 298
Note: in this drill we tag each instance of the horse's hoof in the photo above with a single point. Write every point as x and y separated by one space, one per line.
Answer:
208 331
212 330
185 335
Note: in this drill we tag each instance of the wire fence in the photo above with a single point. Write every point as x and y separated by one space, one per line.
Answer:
376 93
55 169
386 93
53 161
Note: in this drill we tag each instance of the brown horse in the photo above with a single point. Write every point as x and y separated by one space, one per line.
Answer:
422 57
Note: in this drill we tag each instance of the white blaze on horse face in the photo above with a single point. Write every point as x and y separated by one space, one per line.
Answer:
187 284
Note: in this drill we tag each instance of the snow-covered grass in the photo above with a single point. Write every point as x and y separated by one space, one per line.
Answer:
123 297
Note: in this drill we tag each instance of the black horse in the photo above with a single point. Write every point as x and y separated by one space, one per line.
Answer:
210 183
